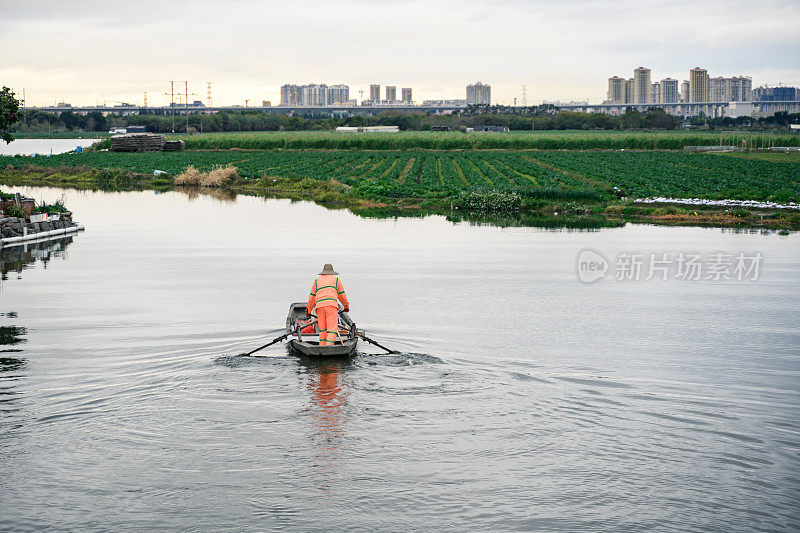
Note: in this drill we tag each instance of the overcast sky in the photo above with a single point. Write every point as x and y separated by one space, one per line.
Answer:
95 51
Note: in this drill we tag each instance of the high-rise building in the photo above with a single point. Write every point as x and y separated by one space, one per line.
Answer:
391 93
776 94
314 94
698 85
338 94
741 89
479 93
685 91
616 90
406 92
655 93
642 88
375 92
717 89
735 89
669 91
629 91
291 95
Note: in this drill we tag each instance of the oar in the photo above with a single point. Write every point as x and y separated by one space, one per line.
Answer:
277 339
361 334
273 341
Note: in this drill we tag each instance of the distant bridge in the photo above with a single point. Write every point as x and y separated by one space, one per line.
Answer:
283 110
710 109
692 109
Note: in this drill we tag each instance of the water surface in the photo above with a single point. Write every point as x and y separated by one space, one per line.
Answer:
523 399
43 146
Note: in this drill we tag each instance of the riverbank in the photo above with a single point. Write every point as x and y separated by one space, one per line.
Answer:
22 220
499 207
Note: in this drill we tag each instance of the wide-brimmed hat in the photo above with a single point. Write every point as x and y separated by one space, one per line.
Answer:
328 270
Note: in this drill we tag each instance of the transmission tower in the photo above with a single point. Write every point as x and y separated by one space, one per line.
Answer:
209 94
525 95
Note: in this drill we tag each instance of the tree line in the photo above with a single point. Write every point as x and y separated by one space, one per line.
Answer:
544 117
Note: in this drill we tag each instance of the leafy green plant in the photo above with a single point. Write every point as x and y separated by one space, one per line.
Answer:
14 211
56 207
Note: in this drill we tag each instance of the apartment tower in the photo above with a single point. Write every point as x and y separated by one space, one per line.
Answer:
629 91
479 94
641 85
391 93
375 93
685 91
698 85
406 92
616 90
655 93
669 91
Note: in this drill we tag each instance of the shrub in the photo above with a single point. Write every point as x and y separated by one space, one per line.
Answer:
190 176
117 177
499 201
332 197
667 210
220 176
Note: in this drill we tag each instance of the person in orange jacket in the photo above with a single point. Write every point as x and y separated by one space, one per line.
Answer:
326 293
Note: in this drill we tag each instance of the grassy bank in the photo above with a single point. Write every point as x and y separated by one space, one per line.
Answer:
499 208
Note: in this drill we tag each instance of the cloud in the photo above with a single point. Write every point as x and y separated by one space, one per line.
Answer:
113 50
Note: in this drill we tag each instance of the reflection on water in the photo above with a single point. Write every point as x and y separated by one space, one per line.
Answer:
11 335
11 368
522 220
328 398
18 258
220 194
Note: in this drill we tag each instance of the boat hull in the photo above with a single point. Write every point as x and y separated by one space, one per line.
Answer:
313 349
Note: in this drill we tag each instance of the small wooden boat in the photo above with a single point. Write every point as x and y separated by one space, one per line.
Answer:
303 328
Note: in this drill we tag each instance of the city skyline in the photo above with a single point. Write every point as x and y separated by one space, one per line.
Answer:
101 53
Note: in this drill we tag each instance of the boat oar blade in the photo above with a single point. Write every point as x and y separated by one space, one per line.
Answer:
273 341
376 343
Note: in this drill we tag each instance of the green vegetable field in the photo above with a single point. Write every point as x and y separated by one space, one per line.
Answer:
574 175
538 140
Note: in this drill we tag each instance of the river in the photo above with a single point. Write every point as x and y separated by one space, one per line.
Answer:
525 398
43 146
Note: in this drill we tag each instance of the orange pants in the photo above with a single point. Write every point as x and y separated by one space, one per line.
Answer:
328 324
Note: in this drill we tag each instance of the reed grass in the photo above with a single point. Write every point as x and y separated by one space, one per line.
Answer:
189 177
220 176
